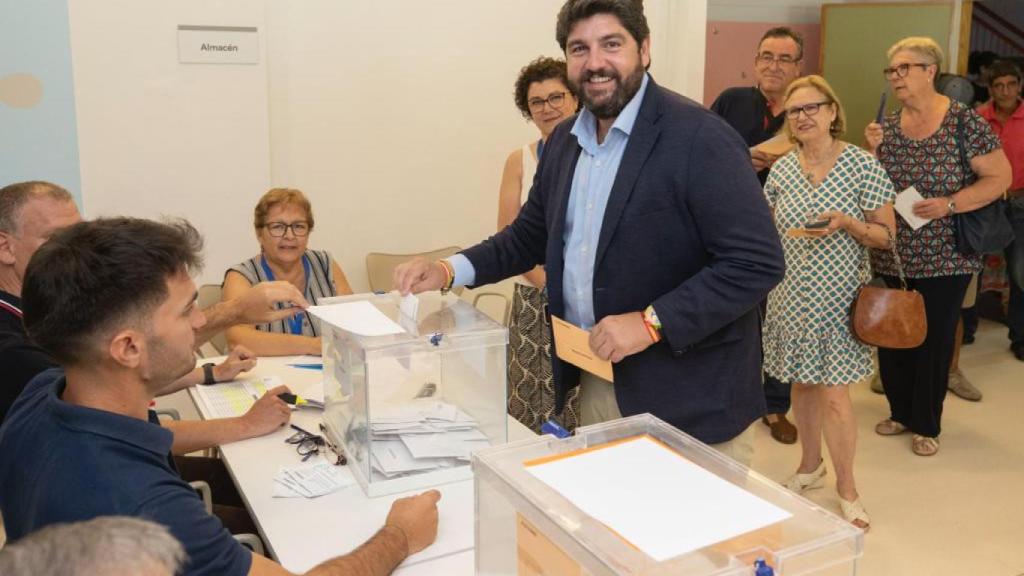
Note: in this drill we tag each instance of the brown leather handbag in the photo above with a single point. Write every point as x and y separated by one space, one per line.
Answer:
889 317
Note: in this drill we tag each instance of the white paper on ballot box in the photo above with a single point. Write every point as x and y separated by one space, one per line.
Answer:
360 317
655 499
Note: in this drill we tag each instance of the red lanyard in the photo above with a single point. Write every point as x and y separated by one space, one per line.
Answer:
10 308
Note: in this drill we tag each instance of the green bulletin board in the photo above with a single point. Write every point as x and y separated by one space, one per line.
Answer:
854 39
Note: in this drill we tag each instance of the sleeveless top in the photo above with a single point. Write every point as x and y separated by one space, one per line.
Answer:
529 171
319 284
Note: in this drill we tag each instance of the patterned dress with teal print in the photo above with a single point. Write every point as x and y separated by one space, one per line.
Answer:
807 336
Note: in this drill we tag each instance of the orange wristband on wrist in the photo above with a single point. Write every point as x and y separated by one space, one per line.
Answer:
652 324
449 276
655 336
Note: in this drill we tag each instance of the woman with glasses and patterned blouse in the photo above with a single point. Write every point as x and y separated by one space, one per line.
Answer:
283 220
831 201
543 97
949 154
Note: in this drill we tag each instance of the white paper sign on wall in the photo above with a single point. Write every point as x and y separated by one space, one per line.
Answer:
218 44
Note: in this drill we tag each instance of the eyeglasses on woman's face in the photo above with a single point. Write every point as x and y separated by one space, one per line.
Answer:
901 70
555 100
808 109
279 229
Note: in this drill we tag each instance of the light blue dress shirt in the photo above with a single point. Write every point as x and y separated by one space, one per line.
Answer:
591 186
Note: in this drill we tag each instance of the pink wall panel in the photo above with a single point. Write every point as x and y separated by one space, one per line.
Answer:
731 47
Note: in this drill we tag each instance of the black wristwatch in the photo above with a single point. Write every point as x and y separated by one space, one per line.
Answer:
208 373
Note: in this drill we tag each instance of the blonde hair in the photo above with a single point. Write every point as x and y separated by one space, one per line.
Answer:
276 196
838 127
922 46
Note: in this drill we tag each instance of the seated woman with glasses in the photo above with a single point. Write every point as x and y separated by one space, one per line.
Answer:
283 220
543 97
832 201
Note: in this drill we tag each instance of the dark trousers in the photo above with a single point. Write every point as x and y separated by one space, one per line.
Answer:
776 392
1015 270
227 503
916 378
970 316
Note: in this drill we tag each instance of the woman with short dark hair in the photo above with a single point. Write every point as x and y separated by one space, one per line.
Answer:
283 221
543 97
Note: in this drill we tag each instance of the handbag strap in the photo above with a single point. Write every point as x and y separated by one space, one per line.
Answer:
965 163
896 257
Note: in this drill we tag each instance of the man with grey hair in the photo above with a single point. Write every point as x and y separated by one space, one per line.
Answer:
31 212
757 114
90 427
108 545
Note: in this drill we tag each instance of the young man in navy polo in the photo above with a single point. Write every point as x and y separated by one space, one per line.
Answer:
113 302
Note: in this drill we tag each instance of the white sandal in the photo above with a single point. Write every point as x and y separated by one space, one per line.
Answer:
801 483
854 512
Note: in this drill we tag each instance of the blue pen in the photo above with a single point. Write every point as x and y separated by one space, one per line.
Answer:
881 109
308 366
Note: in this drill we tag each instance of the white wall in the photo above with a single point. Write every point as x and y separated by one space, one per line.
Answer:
394 117
159 138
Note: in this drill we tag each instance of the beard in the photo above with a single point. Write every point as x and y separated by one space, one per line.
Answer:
612 104
168 363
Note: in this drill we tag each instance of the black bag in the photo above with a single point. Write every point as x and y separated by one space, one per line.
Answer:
986 230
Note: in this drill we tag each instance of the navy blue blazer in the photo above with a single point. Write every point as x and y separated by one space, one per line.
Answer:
686 228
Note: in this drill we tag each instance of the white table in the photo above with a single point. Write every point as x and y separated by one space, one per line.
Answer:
300 532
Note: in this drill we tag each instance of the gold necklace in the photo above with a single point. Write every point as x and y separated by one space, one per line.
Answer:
810 166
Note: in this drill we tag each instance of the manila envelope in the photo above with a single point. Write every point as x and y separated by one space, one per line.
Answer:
805 233
778 145
572 344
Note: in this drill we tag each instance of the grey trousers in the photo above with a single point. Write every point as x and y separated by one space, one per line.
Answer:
598 404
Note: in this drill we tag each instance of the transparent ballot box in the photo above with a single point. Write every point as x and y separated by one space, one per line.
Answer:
411 392
637 496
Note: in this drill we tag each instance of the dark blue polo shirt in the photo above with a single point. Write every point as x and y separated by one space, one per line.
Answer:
66 463
746 110
20 359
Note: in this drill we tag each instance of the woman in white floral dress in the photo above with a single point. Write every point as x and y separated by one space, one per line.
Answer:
807 338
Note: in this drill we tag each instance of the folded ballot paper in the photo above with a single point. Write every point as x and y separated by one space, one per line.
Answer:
311 481
421 435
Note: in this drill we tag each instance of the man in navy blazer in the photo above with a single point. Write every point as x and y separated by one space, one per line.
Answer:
654 232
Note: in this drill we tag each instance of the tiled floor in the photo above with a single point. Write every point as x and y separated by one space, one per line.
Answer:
958 512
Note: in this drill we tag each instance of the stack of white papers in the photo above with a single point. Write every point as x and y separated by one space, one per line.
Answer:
423 434
311 481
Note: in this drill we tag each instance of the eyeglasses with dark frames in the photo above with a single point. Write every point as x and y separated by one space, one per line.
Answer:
808 109
308 445
279 229
767 59
901 70
555 100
